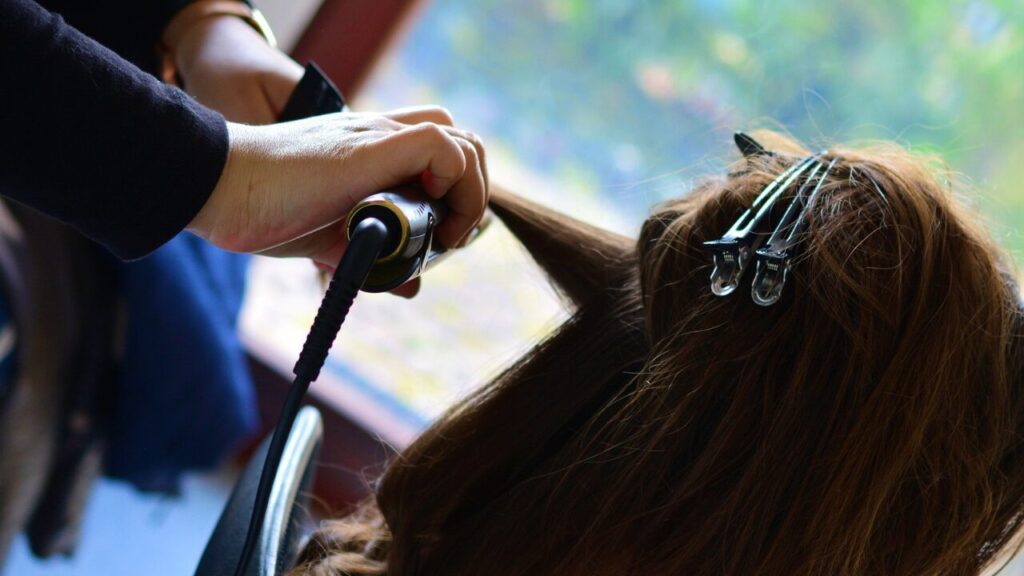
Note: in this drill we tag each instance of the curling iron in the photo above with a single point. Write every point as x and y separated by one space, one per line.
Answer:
410 217
390 242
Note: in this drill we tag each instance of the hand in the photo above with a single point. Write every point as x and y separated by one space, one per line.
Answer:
227 66
286 188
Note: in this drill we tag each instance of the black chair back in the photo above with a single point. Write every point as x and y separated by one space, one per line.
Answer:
282 528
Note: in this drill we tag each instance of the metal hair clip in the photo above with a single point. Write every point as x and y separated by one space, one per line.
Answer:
732 252
774 258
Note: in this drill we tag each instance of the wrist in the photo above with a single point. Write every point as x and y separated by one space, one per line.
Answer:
218 220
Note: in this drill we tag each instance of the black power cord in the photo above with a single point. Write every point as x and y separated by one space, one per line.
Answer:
365 243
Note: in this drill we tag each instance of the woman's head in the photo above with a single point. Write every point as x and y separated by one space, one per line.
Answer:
867 423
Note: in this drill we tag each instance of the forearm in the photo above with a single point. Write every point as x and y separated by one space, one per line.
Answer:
96 142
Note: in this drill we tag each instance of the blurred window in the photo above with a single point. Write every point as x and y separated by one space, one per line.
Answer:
604 107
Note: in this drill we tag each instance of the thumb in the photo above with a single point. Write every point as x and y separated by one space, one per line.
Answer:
326 247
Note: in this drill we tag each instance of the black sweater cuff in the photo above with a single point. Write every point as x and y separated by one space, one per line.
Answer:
94 141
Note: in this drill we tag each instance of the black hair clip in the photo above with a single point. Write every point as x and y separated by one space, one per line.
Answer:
748 146
774 258
733 251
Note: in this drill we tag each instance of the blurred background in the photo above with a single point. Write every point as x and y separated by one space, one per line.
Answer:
629 100
601 108
604 107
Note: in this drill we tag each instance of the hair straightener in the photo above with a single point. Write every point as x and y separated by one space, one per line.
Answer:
390 242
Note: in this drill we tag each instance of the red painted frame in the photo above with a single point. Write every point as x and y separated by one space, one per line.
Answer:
347 37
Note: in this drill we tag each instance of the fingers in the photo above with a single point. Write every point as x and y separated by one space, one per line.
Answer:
481 157
427 147
466 200
420 114
467 197
324 246
453 168
409 289
436 115
400 118
440 116
383 151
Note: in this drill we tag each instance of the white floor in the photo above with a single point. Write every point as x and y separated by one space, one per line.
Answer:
1014 568
130 533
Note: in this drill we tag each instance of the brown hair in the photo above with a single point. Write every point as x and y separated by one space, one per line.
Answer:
868 423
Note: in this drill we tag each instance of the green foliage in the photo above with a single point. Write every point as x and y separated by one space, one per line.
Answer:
621 91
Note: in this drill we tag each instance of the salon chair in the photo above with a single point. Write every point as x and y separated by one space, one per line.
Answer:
282 530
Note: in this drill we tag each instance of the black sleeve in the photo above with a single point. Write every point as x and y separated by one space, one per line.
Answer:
132 28
92 140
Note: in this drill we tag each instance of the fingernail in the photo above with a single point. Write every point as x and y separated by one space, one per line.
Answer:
426 180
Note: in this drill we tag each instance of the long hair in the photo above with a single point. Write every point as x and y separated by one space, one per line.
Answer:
868 423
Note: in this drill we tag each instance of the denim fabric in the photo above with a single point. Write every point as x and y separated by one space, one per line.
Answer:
185 398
